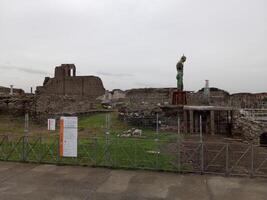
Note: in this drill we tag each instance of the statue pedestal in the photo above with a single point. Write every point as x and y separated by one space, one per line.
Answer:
179 98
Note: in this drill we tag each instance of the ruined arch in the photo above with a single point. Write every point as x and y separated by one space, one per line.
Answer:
65 70
263 139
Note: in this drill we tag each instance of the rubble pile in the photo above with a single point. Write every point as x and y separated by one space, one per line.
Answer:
131 133
248 128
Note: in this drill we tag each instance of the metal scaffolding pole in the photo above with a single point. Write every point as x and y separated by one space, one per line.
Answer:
178 142
202 145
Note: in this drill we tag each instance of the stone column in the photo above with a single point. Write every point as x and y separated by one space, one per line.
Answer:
230 122
185 121
191 113
212 124
11 90
196 122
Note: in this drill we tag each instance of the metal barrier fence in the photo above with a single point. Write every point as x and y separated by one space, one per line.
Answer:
137 153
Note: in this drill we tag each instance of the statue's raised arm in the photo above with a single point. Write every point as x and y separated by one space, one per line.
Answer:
180 73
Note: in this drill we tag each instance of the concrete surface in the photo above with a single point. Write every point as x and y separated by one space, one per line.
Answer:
31 181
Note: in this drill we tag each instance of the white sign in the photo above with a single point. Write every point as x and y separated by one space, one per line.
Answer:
51 124
68 136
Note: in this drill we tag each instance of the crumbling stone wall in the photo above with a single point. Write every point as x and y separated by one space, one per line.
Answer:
148 97
247 128
63 104
65 70
6 91
68 93
248 100
217 97
155 96
16 104
113 96
66 84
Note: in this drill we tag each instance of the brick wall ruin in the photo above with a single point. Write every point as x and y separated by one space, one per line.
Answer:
142 103
68 93
15 104
148 97
66 82
6 91
217 97
248 100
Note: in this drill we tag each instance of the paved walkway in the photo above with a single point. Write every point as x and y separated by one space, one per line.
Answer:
30 181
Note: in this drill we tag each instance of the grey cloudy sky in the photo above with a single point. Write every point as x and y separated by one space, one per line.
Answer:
136 43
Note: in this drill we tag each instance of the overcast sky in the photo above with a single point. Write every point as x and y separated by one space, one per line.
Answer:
136 43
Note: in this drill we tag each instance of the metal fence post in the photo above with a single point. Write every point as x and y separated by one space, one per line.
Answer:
252 162
58 149
158 154
200 129
25 138
202 158
202 145
135 153
107 149
26 124
95 150
178 143
115 151
23 149
227 160
78 154
40 150
157 141
157 122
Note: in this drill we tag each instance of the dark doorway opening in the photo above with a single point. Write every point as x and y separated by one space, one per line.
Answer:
263 139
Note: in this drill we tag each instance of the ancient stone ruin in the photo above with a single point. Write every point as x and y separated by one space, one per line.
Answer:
14 101
7 91
220 112
68 93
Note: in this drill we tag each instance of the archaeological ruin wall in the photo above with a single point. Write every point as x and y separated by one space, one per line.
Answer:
65 83
6 91
143 102
16 102
217 97
68 93
248 100
148 97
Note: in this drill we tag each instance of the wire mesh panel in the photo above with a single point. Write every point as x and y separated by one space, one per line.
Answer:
191 156
87 151
215 158
39 149
259 161
142 153
33 148
124 153
49 149
240 159
12 148
169 155
4 147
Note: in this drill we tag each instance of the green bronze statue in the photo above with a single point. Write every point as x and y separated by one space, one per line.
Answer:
180 73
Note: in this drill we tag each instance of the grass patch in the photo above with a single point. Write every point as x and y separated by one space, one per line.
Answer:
94 147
